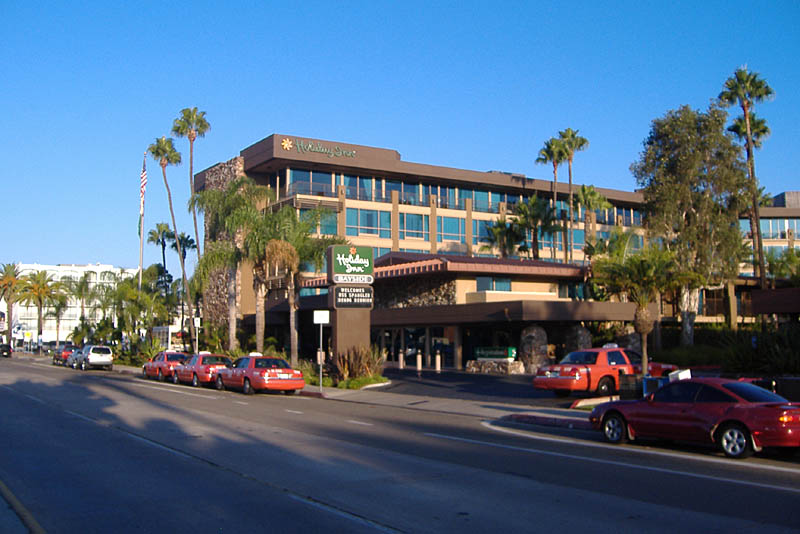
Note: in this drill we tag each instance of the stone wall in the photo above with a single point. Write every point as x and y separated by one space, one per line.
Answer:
215 296
415 292
499 367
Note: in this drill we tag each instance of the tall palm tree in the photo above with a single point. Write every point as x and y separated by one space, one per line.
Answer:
504 235
161 235
81 290
164 152
59 307
10 285
283 257
592 201
191 124
186 243
224 245
573 143
536 216
40 289
760 131
746 89
553 152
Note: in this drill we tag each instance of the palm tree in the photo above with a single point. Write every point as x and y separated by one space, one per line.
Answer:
641 277
504 235
164 152
221 207
553 152
758 128
81 290
186 243
747 88
161 236
573 143
40 289
191 124
536 216
592 201
10 284
57 312
283 256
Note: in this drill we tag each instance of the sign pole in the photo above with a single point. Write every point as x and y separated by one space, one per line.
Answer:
319 357
321 317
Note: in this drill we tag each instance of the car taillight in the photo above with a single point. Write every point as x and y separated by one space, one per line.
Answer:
571 372
788 418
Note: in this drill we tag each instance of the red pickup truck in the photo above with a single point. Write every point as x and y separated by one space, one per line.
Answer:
594 370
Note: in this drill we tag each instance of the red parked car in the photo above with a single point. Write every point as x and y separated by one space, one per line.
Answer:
596 370
60 357
162 366
200 369
254 373
736 416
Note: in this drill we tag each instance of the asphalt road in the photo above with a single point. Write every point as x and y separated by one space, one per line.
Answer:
103 452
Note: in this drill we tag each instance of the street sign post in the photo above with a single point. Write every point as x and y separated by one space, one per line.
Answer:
321 317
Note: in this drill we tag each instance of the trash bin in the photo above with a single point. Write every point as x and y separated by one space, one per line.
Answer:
630 387
652 383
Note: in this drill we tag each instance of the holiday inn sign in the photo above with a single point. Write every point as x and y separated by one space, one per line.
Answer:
350 265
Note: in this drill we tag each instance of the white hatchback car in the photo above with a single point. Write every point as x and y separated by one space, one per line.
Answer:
96 356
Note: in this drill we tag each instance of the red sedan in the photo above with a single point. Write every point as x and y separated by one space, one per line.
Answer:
200 369
254 373
736 416
162 366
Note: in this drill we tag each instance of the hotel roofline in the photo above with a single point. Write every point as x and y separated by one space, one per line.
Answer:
278 151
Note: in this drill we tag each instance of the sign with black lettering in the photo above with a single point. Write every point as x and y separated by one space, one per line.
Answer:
352 297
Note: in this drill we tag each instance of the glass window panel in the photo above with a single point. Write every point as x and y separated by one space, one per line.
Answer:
327 224
502 284
299 175
386 224
484 283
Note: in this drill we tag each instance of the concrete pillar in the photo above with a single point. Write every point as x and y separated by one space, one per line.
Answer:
457 348
427 346
402 344
438 361
419 361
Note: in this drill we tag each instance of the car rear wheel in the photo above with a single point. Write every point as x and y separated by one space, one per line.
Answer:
734 440
247 389
160 375
220 385
606 386
175 379
615 429
195 381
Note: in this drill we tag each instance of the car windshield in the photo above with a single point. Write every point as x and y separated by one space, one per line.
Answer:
752 393
580 357
271 363
209 360
176 357
101 350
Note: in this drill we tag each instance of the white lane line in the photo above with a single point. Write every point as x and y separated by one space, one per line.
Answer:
40 401
240 402
613 462
173 389
295 411
648 452
359 422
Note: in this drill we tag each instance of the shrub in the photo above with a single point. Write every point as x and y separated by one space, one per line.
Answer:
359 362
768 353
360 382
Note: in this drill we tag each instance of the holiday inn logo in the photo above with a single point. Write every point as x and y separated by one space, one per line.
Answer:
316 147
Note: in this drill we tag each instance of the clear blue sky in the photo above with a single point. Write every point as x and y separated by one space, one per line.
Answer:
86 87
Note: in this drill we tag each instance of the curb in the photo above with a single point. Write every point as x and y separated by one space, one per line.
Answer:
24 515
545 420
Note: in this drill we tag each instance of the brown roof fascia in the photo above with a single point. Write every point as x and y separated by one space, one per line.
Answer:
268 155
783 301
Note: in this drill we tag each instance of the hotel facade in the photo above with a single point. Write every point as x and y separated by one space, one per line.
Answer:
432 218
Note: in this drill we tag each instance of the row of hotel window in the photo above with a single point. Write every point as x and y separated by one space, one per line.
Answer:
361 222
773 228
418 194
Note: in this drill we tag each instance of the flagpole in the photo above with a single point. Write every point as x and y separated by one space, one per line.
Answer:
142 184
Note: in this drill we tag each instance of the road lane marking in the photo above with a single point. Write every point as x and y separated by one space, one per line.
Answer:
295 411
173 389
240 402
680 456
359 422
613 463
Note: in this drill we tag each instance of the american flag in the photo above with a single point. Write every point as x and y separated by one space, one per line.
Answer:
143 184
